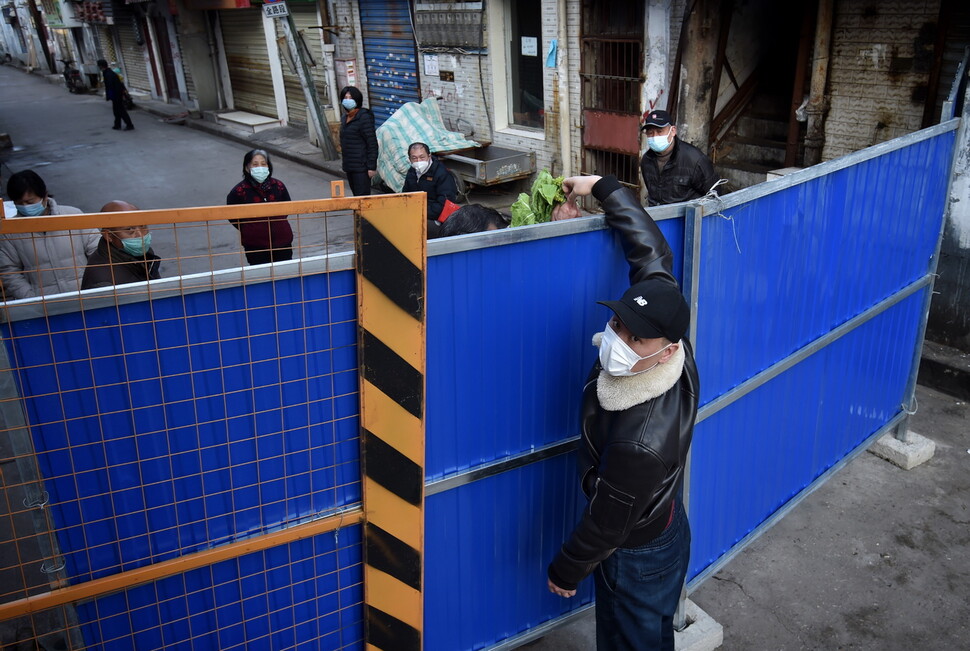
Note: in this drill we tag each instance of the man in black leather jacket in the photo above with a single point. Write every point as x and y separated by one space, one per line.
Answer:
673 170
639 408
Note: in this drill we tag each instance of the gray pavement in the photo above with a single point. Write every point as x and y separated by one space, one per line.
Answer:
877 558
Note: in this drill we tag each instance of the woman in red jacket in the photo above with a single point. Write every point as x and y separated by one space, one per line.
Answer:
265 239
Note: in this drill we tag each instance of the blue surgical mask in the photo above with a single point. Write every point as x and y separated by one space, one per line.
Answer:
259 173
137 246
658 143
348 104
31 209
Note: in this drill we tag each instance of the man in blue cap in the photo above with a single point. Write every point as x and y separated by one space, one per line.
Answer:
673 170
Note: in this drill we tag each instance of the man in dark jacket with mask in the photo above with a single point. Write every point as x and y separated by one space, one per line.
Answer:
428 175
114 92
673 170
124 254
639 408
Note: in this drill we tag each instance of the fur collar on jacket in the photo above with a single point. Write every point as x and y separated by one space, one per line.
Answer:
619 393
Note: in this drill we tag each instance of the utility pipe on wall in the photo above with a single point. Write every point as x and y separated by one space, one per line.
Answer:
565 113
815 137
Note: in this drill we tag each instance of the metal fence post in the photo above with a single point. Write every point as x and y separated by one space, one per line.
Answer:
962 177
391 269
691 282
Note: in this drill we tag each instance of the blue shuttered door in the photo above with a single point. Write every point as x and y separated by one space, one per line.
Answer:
390 56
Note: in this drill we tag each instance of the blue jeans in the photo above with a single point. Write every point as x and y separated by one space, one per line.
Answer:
637 591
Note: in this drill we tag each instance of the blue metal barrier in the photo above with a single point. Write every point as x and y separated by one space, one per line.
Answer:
233 410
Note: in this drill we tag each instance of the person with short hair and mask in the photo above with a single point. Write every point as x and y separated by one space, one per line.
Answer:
673 170
44 263
124 254
265 239
637 421
427 174
358 141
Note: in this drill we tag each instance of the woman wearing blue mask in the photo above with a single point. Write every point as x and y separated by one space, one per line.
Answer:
265 239
358 141
43 263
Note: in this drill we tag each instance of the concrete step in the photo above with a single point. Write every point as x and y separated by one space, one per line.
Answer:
249 122
757 151
754 126
945 369
765 104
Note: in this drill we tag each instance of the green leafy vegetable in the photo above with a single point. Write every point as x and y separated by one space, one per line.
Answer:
537 209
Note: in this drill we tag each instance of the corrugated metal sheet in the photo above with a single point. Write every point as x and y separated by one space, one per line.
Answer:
485 579
187 378
245 602
784 269
485 336
135 69
751 458
389 56
107 44
248 60
186 69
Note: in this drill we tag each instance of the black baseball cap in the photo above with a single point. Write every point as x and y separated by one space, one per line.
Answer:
656 118
652 309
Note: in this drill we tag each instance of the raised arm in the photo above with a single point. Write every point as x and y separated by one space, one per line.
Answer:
645 247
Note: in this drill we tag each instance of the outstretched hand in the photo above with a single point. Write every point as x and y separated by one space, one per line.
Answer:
579 186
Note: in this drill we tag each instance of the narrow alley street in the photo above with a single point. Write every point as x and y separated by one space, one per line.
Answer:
68 140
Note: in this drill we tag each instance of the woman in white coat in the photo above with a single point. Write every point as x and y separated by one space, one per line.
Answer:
41 264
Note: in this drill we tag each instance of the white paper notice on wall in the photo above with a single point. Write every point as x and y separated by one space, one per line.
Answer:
530 46
431 64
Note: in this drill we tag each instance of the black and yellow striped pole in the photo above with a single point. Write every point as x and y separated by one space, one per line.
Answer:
391 266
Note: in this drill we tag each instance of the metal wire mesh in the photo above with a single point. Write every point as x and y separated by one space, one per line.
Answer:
146 423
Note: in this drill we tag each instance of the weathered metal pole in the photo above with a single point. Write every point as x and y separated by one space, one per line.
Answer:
309 90
815 137
696 101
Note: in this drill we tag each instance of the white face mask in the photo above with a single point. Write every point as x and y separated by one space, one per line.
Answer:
421 166
618 359
658 143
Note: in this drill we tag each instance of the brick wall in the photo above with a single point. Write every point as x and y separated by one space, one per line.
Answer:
882 53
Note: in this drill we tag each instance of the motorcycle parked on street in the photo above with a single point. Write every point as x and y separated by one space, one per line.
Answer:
72 77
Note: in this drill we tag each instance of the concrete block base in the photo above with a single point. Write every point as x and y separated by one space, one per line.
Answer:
907 455
702 632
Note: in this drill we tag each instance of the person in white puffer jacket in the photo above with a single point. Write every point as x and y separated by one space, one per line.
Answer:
41 264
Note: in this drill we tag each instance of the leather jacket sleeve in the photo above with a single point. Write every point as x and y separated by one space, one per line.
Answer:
617 503
645 247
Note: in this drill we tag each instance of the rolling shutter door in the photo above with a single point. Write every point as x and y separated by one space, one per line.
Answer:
107 44
186 69
248 59
133 54
390 56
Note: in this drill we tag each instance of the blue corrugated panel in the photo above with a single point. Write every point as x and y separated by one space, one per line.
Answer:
790 266
514 330
306 594
389 56
752 457
509 348
187 422
487 548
